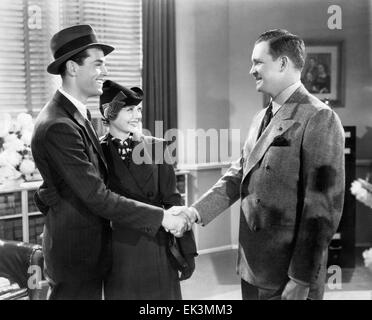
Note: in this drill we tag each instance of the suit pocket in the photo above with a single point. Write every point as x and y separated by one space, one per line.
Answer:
250 207
259 214
280 141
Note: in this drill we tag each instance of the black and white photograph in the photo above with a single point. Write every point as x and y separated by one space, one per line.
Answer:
322 72
199 153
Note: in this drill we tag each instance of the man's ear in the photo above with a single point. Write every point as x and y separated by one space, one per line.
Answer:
284 61
71 67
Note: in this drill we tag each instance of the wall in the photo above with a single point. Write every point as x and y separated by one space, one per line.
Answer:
202 39
215 39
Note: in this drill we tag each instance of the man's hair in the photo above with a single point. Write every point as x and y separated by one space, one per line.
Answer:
78 58
282 42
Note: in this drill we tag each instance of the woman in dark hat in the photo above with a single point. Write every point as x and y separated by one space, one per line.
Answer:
143 267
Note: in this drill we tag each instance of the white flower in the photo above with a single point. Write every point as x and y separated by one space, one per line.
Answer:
12 157
367 255
3 160
27 166
24 120
8 172
10 138
15 145
26 137
361 193
5 124
356 187
16 150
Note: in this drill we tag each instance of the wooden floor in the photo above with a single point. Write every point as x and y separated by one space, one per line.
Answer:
215 278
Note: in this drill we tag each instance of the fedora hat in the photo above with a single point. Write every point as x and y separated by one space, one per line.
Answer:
70 41
116 97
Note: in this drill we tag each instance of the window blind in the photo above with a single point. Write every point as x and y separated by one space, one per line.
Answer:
26 27
12 57
38 31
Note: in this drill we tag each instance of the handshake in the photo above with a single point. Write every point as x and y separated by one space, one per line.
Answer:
179 219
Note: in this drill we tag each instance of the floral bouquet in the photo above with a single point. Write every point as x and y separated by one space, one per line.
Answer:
362 190
16 162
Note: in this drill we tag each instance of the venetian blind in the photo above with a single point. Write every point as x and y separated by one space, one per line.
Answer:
12 57
25 27
40 27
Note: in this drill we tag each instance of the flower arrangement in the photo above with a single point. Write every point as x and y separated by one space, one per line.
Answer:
16 162
367 255
362 190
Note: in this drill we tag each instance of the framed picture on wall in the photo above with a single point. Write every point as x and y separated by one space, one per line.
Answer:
322 74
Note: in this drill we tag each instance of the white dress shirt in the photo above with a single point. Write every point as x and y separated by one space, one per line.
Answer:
283 96
79 105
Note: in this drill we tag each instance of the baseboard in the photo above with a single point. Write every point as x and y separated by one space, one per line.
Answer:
218 249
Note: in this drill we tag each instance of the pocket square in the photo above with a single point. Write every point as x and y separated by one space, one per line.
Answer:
280 141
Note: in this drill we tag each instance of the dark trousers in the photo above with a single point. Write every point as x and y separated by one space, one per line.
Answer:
76 290
250 292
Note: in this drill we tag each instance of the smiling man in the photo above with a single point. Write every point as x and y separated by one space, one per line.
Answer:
73 196
290 180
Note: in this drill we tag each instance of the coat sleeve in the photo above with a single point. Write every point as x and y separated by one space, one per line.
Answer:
323 187
66 150
222 195
227 189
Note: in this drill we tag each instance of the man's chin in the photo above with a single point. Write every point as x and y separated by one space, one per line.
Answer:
259 86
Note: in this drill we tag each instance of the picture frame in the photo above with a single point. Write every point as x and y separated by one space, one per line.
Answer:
323 74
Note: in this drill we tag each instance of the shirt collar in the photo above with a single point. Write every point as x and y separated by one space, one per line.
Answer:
283 96
79 105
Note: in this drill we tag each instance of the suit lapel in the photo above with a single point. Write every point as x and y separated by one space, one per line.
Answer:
69 107
280 123
253 133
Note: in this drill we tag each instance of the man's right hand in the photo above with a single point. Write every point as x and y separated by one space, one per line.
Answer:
190 213
177 224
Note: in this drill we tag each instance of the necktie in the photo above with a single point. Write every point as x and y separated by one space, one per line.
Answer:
89 123
89 116
266 120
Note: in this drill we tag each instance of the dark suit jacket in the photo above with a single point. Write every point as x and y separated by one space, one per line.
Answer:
78 205
291 183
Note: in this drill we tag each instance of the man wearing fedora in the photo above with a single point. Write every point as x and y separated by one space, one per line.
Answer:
73 196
